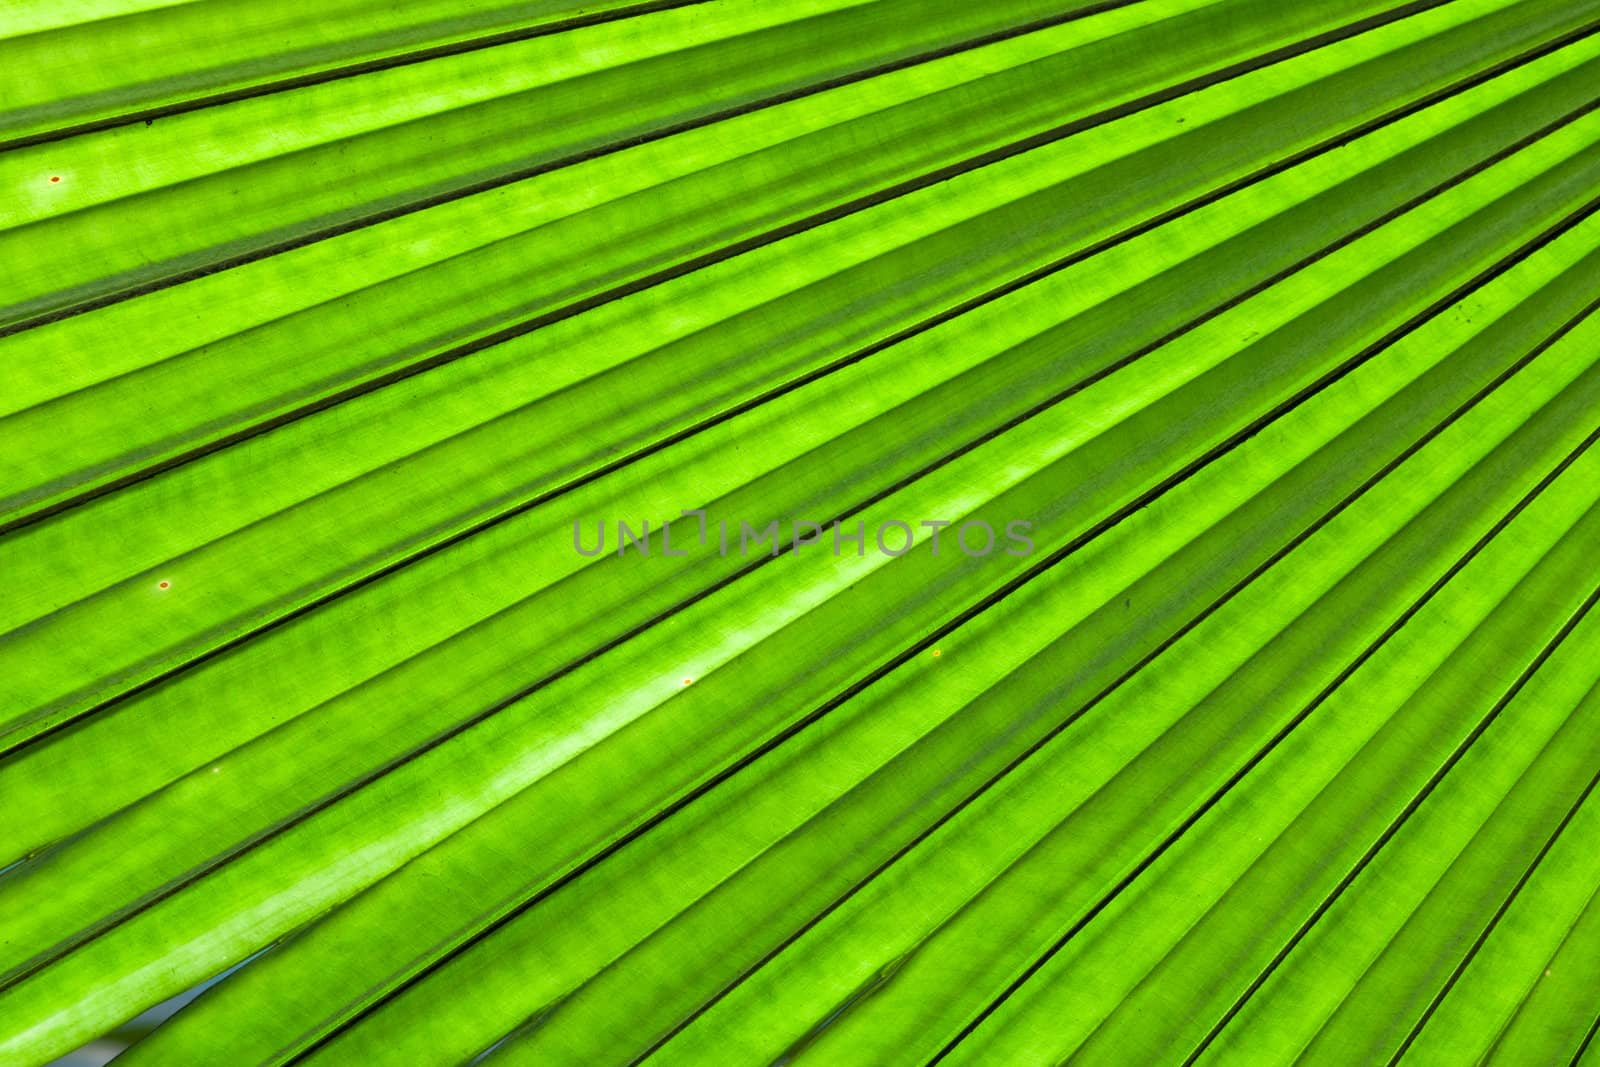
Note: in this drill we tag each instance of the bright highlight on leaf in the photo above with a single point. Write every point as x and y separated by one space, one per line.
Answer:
1270 330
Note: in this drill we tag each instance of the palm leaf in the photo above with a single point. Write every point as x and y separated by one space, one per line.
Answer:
1269 735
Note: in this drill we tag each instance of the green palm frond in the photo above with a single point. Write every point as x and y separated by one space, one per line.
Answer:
1122 520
